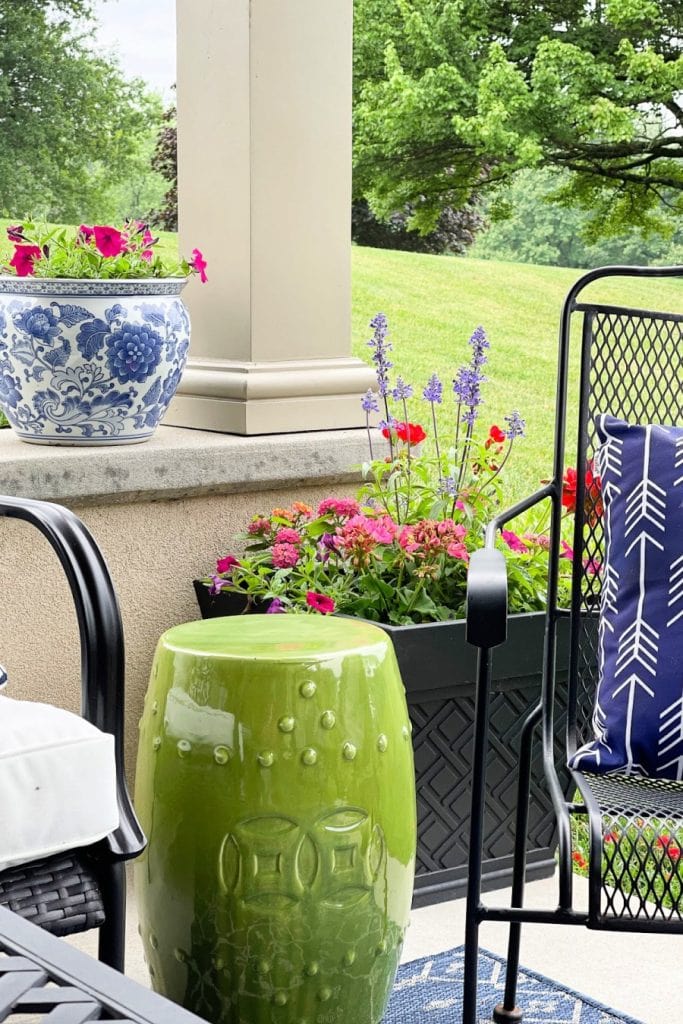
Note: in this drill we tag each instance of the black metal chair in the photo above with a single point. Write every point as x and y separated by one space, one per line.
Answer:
83 888
631 364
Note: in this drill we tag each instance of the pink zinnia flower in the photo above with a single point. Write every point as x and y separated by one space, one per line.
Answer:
285 556
226 564
342 508
287 536
514 542
319 602
458 550
198 264
24 259
108 240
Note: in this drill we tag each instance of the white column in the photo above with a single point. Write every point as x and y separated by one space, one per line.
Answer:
264 187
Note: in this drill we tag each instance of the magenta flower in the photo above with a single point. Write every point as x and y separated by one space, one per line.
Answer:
285 556
226 564
513 541
320 603
276 607
24 259
15 233
258 525
198 264
287 536
342 508
567 551
382 530
108 240
84 234
458 550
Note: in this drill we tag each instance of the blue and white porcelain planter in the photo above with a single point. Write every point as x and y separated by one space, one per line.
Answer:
90 362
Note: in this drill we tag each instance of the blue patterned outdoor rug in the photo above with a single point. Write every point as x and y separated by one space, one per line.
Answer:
430 991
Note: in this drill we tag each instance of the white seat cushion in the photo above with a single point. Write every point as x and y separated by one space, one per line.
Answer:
57 782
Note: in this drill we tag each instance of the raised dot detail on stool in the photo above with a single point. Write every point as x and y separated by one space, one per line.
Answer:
286 724
266 758
153 941
183 747
180 955
349 751
324 994
405 732
309 756
222 754
156 742
155 707
308 689
263 967
382 743
312 968
349 957
381 948
280 999
218 963
328 719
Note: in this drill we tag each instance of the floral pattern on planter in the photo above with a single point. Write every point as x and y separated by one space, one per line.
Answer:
102 372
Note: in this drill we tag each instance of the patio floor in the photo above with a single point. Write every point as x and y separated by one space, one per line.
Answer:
637 974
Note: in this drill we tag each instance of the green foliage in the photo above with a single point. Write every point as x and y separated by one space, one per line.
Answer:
75 135
528 227
453 96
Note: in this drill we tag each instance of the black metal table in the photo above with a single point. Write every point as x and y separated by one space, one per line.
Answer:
43 975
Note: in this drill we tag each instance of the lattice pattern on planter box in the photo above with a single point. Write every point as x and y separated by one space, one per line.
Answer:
442 742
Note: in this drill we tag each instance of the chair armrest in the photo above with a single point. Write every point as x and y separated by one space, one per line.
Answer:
101 635
487 590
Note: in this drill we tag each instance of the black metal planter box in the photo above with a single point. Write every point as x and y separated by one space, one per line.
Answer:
438 669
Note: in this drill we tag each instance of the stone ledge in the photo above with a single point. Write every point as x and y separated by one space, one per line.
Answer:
178 462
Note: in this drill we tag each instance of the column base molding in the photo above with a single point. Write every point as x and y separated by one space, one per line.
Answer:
271 398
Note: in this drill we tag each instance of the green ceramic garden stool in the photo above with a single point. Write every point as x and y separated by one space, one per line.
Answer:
275 783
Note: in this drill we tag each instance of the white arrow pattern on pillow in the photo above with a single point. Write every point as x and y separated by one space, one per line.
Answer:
671 736
678 460
676 588
608 455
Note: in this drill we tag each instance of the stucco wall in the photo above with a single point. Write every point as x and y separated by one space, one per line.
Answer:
154 550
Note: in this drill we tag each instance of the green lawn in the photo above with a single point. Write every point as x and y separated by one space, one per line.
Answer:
434 303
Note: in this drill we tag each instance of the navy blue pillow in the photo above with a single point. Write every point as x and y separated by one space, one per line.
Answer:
638 716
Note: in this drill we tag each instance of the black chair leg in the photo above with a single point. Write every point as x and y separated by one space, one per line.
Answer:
508 1012
469 1002
111 948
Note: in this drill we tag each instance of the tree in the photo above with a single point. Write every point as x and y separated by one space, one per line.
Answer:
165 162
73 130
455 96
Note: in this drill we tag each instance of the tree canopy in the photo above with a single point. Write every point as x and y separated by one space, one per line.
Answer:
454 96
73 129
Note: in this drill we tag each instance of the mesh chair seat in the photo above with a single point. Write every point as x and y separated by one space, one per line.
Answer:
641 844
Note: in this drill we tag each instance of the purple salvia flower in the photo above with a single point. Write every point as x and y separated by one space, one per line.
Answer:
380 346
402 391
479 342
369 402
516 425
434 390
449 486
275 607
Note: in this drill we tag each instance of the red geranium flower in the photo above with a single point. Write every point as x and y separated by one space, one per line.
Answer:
569 489
496 436
410 433
108 240
319 602
24 259
593 505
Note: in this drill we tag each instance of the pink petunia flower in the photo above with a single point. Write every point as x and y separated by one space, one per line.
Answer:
108 240
84 234
567 551
147 255
15 233
514 542
217 585
285 556
198 264
24 259
320 603
226 564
